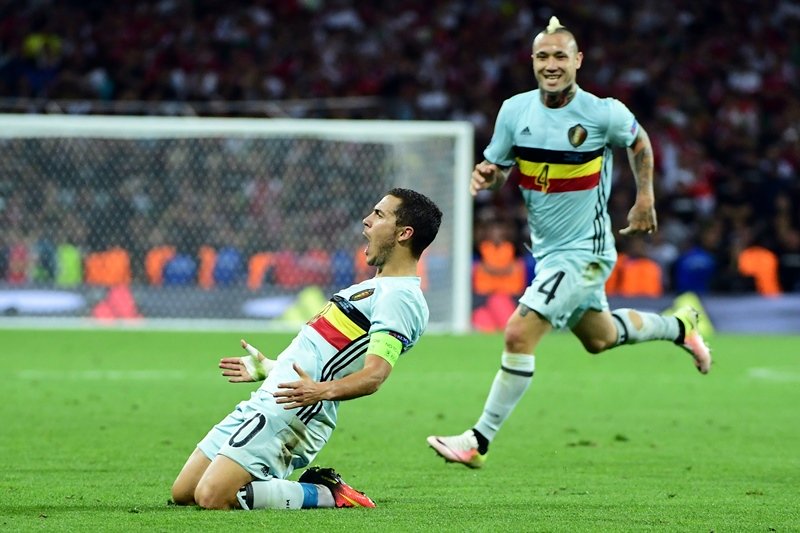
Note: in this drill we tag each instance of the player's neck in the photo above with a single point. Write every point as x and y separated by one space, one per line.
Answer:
398 268
556 100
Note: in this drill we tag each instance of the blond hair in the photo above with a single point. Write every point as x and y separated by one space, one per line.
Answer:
553 26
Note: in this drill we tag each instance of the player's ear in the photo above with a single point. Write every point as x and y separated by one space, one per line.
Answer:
405 233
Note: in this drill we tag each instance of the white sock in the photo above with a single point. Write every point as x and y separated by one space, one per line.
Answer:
276 493
636 326
510 383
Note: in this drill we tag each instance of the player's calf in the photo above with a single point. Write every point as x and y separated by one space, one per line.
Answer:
638 326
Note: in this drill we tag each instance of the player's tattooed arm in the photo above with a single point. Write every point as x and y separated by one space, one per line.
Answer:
642 216
640 156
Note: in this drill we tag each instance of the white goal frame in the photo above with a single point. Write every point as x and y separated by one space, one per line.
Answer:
132 127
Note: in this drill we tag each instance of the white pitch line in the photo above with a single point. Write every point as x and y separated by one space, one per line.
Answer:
104 375
772 374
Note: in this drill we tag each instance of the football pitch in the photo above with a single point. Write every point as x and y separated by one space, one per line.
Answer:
95 425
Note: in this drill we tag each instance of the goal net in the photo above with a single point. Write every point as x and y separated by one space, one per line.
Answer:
161 219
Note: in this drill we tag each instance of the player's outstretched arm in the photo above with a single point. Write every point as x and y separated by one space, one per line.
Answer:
642 216
487 175
251 367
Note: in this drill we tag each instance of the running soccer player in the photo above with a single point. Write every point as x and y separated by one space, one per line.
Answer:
346 351
560 140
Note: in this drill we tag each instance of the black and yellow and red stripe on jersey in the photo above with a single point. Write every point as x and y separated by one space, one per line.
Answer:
340 323
554 171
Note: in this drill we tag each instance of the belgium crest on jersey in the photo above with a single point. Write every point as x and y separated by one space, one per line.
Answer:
360 295
577 135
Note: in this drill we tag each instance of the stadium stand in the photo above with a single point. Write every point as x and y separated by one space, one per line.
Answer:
717 91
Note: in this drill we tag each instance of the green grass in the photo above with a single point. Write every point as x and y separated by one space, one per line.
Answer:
95 425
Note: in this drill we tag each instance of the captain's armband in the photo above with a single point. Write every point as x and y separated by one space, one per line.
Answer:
385 346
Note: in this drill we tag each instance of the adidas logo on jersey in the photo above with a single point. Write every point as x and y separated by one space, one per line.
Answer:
526 131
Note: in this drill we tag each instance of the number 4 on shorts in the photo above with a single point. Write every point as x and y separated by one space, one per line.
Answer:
548 287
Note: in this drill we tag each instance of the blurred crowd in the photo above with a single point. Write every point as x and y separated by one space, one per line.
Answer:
116 211
715 84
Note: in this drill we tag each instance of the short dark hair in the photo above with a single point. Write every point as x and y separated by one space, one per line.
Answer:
419 212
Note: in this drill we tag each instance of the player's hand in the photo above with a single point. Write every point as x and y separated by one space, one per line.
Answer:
641 219
234 369
251 367
300 393
484 176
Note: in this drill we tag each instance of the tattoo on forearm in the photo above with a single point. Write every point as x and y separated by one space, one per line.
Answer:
643 166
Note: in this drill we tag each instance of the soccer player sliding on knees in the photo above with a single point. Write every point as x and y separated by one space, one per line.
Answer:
560 139
345 352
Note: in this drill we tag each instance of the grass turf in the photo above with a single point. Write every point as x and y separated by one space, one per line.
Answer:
94 426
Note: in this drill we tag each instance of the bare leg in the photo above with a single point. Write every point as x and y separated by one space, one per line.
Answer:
523 332
597 331
220 483
184 486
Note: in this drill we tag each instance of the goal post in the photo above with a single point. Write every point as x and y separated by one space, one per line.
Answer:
197 220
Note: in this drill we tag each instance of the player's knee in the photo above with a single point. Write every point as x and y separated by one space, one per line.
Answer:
181 493
522 334
208 497
596 345
516 341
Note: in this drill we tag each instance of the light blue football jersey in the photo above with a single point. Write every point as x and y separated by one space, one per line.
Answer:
333 344
268 440
563 160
